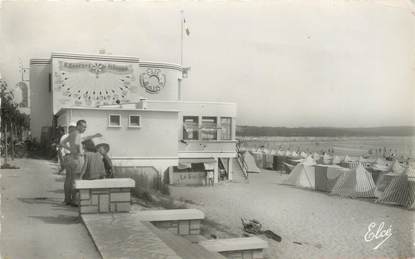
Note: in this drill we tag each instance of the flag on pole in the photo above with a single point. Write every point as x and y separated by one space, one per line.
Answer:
187 28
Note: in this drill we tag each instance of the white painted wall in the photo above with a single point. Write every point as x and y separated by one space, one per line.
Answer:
40 97
156 139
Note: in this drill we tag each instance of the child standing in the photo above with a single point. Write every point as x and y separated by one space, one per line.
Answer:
93 167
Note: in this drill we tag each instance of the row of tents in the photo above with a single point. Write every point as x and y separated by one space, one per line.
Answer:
286 160
396 186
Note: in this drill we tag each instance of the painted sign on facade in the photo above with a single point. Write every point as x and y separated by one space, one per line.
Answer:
93 83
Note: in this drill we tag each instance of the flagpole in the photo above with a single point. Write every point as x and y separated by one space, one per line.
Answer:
181 37
179 87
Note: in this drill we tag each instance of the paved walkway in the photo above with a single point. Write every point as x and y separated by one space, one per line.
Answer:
34 221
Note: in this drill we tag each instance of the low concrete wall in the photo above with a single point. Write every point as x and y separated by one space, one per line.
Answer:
180 227
104 196
237 248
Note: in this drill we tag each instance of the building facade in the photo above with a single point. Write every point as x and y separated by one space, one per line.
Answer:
137 107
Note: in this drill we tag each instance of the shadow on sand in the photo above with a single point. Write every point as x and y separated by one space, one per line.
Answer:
60 219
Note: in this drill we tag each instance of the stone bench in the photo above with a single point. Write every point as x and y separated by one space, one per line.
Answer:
180 221
104 195
244 247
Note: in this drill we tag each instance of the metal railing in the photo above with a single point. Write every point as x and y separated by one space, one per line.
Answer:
241 161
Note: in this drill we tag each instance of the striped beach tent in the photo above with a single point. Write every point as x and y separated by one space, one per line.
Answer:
355 183
400 191
410 172
349 162
326 176
302 175
383 181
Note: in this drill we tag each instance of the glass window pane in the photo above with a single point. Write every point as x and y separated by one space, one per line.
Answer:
226 128
190 127
209 128
115 120
134 121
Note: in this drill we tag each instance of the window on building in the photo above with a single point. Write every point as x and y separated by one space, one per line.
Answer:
209 128
134 121
190 127
114 120
226 128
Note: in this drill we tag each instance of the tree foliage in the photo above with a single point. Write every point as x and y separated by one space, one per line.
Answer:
11 117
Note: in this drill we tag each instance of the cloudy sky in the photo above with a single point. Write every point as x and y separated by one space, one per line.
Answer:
285 63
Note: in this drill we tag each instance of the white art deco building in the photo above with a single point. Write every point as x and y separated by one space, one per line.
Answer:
137 106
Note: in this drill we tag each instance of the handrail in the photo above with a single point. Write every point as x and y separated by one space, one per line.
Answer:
241 161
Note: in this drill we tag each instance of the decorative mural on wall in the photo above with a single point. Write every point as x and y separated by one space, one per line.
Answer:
153 80
93 83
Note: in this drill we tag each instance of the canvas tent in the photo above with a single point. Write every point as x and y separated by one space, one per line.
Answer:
401 191
326 176
250 163
355 183
383 182
348 162
386 179
410 172
302 175
269 161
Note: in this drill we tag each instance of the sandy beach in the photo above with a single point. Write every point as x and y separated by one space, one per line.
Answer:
322 226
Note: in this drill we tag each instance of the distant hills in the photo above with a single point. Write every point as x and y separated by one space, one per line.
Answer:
325 131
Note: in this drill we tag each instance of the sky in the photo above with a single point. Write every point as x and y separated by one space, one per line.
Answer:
331 63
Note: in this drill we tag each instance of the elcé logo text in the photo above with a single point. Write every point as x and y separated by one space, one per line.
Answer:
374 233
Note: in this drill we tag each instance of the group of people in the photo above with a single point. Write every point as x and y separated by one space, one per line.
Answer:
82 159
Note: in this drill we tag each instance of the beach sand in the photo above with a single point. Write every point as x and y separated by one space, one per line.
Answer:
324 226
